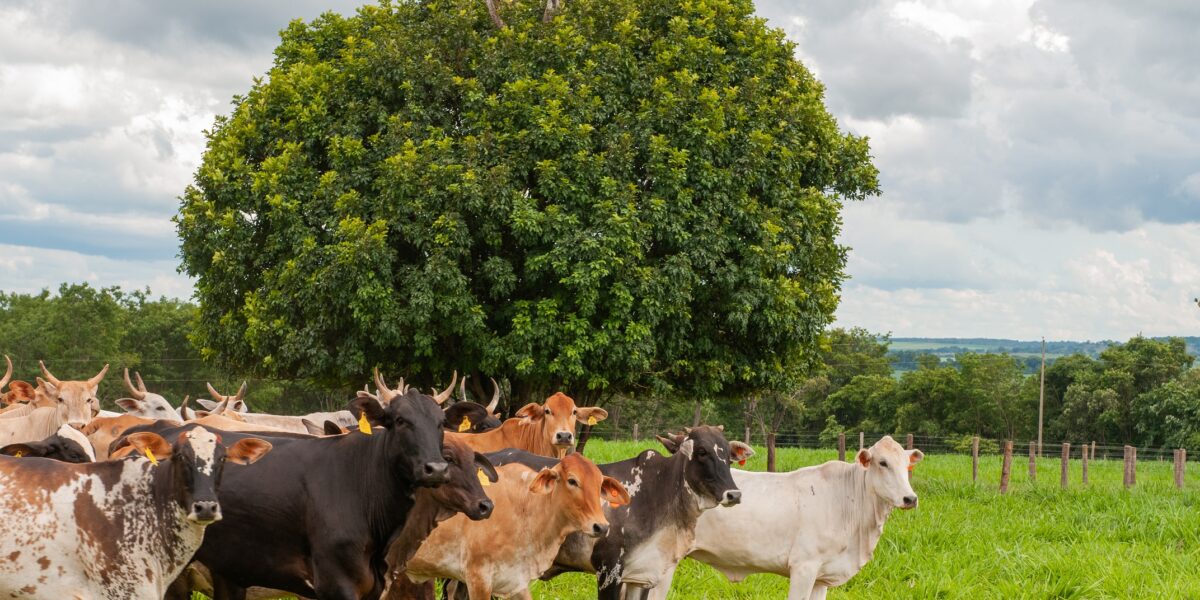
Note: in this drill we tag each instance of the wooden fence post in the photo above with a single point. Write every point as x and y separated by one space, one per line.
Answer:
1128 481
1179 468
862 440
1133 466
842 446
1006 466
1032 461
1093 457
747 440
771 452
635 432
908 444
975 459
1066 458
1084 456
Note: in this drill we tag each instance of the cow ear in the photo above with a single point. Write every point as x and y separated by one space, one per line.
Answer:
247 451
739 451
544 482
587 413
864 457
366 404
51 389
313 428
532 410
483 463
670 443
207 404
915 456
27 449
129 404
145 440
615 493
332 428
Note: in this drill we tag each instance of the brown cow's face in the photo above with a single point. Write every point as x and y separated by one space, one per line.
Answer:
558 417
887 464
464 492
578 488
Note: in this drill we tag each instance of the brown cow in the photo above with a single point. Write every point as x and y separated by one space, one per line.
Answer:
76 400
534 513
546 429
103 431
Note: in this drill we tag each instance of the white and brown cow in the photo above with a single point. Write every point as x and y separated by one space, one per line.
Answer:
817 525
111 530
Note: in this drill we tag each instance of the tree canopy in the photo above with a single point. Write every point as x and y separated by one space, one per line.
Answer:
630 195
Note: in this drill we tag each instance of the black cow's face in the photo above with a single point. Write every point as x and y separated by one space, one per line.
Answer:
197 462
709 456
469 417
413 424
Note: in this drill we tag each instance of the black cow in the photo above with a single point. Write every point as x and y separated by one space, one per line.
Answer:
68 445
316 520
465 416
655 530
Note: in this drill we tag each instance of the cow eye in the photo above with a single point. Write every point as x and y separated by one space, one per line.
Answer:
573 482
701 452
547 411
883 463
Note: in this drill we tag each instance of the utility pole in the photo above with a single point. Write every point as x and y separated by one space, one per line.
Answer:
1042 397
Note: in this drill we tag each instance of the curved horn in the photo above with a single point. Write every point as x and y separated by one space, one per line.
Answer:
98 377
133 391
49 377
141 384
491 407
441 396
381 387
212 391
241 391
8 374
402 387
462 389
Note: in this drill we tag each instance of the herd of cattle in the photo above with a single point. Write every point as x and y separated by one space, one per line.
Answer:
401 489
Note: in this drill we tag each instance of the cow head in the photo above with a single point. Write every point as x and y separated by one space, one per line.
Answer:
197 461
234 403
412 426
76 401
467 416
578 487
67 445
557 417
887 464
146 404
463 492
709 456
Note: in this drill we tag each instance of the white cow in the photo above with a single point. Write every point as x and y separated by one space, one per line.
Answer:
222 404
817 525
146 404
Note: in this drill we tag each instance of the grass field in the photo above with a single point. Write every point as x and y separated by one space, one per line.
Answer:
967 541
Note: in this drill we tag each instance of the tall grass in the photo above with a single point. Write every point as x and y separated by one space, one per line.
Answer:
967 541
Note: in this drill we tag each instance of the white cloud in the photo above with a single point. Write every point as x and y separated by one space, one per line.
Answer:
29 270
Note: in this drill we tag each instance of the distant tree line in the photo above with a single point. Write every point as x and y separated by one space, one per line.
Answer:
1143 391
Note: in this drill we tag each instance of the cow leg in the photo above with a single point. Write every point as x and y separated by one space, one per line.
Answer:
634 591
803 580
522 595
339 573
479 587
660 591
818 592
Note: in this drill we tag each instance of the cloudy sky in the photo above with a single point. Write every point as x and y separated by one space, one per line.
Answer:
1040 159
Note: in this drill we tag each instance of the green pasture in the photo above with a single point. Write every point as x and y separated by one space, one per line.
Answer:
967 541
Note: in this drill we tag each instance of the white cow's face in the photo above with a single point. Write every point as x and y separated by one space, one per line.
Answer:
150 406
887 465
76 401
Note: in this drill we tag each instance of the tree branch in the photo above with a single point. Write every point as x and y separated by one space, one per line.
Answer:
494 13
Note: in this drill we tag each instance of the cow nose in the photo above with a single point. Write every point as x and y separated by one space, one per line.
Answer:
599 529
434 472
205 511
910 502
78 425
485 508
564 438
731 498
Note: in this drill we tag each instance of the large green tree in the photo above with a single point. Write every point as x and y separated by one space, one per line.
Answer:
631 194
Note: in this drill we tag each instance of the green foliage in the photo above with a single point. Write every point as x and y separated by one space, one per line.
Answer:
634 196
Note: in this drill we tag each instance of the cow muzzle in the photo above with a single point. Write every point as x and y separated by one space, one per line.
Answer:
597 530
908 502
731 498
481 511
205 512
564 438
433 473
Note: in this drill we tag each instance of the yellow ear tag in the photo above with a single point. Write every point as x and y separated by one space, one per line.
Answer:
592 421
363 425
465 425
18 454
150 455
483 478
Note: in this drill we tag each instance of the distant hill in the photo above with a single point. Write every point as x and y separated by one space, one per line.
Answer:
905 350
